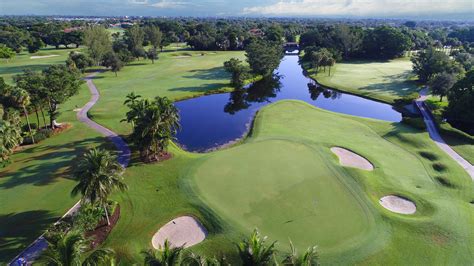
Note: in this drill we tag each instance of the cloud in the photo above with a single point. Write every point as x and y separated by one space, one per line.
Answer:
163 4
363 7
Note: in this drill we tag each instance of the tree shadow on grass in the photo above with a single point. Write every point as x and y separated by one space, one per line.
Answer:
397 88
215 73
47 163
19 69
18 230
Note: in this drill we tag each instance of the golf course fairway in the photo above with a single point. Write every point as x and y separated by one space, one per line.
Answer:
284 180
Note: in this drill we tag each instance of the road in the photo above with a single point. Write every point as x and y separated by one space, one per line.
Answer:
436 137
32 252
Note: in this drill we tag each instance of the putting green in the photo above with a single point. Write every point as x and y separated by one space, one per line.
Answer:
286 189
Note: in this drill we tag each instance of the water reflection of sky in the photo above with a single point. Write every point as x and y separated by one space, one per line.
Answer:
214 120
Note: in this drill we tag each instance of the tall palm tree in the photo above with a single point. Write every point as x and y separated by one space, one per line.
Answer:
167 256
253 251
309 258
22 99
70 249
10 137
99 174
198 260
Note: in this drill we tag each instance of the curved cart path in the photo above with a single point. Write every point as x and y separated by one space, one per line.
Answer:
32 252
436 137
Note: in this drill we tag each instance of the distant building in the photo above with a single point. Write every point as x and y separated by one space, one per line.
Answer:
71 29
256 32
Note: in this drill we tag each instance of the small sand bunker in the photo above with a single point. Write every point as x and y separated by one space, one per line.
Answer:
350 159
184 230
42 56
398 204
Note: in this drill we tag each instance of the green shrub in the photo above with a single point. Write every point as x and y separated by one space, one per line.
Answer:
407 99
88 217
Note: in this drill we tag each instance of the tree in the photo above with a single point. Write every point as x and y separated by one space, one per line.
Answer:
155 125
154 36
10 137
309 258
253 251
430 62
98 174
167 256
348 39
97 40
22 99
112 61
238 70
32 82
60 84
55 39
6 52
441 83
461 97
134 38
385 43
70 250
263 57
35 44
152 54
79 60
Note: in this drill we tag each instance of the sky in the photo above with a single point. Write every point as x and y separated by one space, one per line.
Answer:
422 9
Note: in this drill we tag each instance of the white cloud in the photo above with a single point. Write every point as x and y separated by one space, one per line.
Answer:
168 4
363 7
138 2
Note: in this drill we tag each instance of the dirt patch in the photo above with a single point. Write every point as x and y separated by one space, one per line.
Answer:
100 233
398 204
43 56
351 159
182 231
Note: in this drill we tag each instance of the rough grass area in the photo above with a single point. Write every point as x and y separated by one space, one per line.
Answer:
384 81
176 78
23 61
35 188
284 180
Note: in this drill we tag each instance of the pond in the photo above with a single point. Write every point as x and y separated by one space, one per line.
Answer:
211 121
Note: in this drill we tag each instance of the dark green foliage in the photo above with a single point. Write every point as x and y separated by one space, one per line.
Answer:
79 60
385 43
88 217
112 61
167 256
430 62
415 122
461 98
239 72
263 56
441 83
254 251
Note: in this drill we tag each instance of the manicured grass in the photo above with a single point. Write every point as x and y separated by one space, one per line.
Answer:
285 181
383 81
35 188
175 75
23 61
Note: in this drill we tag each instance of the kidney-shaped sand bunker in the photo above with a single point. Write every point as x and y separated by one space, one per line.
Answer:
182 231
351 159
398 204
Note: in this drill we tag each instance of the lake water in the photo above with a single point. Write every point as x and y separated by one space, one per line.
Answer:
214 120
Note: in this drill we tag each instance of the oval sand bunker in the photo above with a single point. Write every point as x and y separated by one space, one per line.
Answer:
182 231
350 159
398 204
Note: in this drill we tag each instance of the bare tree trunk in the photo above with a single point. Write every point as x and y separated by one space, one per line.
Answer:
37 117
44 118
106 214
28 122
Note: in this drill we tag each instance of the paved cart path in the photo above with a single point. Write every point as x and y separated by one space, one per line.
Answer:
436 137
32 252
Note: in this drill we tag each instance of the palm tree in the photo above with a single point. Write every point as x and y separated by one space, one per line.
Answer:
10 137
309 258
156 123
167 256
198 260
253 251
22 99
69 250
99 174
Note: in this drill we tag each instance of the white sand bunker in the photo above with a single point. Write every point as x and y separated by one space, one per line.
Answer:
350 159
184 230
43 56
398 204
